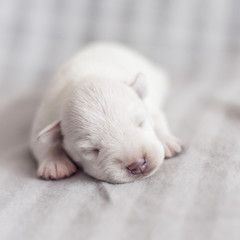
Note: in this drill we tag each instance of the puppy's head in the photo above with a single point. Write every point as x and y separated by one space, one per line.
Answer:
108 131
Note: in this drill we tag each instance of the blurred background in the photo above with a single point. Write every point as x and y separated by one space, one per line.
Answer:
196 195
194 40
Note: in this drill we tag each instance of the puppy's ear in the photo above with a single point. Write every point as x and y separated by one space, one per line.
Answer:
50 134
139 85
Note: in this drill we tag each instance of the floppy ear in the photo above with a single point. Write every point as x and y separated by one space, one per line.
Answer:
139 85
50 134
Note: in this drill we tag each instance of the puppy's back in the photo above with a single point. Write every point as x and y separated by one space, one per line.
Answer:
97 60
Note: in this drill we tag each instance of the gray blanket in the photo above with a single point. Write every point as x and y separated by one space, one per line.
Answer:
195 195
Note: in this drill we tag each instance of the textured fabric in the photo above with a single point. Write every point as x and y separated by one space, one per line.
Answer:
195 195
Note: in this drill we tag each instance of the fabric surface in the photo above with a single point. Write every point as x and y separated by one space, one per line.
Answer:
195 195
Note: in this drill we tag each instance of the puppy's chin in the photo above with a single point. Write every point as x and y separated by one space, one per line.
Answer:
123 176
128 178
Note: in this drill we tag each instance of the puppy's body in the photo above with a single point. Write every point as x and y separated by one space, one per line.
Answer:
89 95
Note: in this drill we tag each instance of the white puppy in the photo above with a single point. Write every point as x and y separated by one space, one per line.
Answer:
102 112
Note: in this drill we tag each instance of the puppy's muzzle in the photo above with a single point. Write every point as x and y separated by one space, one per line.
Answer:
138 167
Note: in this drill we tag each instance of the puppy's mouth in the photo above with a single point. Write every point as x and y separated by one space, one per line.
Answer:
141 168
138 167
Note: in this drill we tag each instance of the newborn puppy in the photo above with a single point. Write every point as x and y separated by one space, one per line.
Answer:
102 113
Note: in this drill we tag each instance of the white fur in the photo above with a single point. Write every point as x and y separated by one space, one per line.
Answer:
105 98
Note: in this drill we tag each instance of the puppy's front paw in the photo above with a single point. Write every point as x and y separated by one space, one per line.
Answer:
172 146
56 168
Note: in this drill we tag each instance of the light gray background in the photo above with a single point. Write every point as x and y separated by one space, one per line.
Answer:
193 196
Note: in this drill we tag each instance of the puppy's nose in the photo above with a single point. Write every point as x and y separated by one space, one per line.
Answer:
138 167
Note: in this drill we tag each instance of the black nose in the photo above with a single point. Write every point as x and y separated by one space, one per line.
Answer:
138 167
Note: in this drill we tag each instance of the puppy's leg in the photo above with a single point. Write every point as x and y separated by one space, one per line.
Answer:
172 145
53 163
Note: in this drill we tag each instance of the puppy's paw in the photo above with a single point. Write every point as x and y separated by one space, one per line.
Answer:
172 146
56 168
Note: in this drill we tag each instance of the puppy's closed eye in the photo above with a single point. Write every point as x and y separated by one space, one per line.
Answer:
91 152
141 123
95 151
